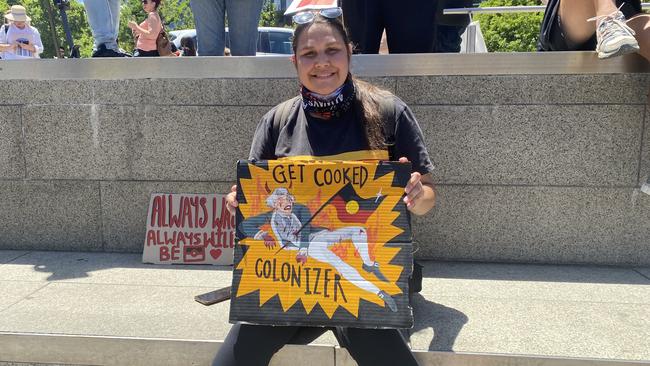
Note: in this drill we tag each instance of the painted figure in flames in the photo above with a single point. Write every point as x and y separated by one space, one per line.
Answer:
291 225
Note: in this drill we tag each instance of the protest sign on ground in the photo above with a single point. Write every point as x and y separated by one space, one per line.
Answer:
188 228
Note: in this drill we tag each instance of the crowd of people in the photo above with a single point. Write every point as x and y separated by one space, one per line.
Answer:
610 27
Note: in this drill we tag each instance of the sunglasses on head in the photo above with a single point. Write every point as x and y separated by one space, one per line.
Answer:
309 16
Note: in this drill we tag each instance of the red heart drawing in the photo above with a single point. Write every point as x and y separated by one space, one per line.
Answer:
215 253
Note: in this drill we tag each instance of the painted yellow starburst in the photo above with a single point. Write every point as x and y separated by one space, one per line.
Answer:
276 271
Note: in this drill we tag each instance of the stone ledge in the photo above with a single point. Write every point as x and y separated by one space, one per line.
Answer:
72 350
362 65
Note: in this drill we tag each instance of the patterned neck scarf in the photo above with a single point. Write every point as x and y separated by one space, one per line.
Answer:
328 106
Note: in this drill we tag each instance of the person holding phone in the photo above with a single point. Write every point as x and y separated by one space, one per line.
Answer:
21 40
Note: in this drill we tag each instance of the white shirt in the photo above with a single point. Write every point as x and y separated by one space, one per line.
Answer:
28 35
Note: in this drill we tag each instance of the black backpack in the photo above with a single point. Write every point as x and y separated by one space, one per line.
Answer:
280 119
544 41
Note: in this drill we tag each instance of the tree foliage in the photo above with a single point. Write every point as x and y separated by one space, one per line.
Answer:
510 32
271 16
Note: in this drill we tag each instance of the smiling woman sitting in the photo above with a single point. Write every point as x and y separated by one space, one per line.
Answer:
335 117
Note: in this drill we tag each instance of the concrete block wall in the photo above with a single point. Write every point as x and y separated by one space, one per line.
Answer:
540 162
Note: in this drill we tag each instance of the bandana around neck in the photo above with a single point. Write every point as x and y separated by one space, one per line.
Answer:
328 106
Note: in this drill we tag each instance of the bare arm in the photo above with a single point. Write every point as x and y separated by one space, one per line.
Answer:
153 22
6 47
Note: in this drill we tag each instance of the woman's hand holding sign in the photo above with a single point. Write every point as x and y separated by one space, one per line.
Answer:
420 194
231 200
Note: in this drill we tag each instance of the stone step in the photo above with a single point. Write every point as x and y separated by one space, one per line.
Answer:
73 350
109 308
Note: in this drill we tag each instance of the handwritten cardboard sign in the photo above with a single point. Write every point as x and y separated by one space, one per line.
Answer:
188 228
322 244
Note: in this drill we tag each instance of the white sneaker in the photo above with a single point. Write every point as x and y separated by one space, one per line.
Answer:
615 38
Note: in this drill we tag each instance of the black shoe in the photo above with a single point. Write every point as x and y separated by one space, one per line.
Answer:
389 301
102 51
374 268
123 53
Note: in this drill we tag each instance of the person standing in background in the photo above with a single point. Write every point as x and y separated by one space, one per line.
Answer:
449 28
4 28
243 18
19 40
146 33
411 26
188 48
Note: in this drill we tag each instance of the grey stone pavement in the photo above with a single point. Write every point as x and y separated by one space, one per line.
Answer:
583 312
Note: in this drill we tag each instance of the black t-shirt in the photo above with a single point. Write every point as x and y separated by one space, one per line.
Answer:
306 137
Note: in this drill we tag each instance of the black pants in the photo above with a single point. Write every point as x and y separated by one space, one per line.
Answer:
412 26
141 53
409 24
254 345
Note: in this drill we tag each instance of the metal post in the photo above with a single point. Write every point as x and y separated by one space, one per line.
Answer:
471 39
63 6
66 28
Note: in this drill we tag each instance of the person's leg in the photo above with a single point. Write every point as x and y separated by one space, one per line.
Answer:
641 25
103 18
243 18
115 19
581 19
448 38
354 21
306 335
410 25
142 53
376 347
252 345
365 26
209 17
574 15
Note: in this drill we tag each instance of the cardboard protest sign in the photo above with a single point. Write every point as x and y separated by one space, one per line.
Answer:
322 244
188 228
297 6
